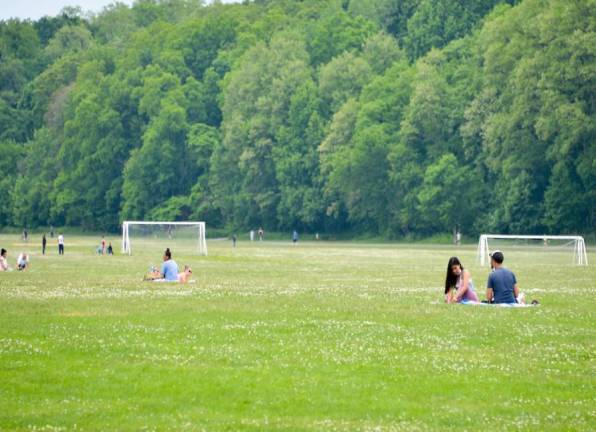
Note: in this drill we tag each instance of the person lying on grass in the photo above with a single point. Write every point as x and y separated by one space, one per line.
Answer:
458 283
185 275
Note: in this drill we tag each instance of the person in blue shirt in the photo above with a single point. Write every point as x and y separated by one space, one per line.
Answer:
169 268
168 272
502 285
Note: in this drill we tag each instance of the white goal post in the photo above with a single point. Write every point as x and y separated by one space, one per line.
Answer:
580 257
199 226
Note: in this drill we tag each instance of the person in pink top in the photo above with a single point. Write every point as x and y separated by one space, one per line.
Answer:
458 283
3 261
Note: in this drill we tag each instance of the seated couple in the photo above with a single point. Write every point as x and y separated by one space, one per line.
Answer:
501 287
169 271
22 261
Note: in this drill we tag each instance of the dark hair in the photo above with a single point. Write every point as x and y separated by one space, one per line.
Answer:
497 257
451 279
168 253
3 251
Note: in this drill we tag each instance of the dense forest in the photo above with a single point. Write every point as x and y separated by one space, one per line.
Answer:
389 117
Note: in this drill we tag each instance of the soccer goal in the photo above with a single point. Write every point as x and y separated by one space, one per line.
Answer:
533 244
180 237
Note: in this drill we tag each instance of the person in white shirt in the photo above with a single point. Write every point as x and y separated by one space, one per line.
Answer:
22 261
60 244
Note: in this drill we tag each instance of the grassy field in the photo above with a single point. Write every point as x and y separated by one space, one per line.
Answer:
321 336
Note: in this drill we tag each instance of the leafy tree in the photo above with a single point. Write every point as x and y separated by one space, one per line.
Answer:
334 33
114 24
391 15
437 22
399 117
159 168
356 153
381 51
12 153
47 26
33 186
201 40
567 204
19 62
256 105
296 161
342 78
203 140
448 196
69 39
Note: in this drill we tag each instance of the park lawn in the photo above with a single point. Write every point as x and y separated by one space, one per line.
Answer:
320 336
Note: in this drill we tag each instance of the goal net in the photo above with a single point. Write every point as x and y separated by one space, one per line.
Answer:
180 237
558 248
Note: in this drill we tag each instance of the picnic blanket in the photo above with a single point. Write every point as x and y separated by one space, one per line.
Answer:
511 305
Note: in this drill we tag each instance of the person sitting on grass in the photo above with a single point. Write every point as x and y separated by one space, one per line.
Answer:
185 275
458 283
3 260
501 286
22 261
169 270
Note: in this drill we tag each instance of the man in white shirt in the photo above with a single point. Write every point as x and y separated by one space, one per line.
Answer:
60 244
22 261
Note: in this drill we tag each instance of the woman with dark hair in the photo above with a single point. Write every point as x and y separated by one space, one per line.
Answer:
3 260
169 269
458 283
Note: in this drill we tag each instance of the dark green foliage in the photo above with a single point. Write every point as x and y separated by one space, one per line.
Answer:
47 26
394 117
334 33
437 22
11 153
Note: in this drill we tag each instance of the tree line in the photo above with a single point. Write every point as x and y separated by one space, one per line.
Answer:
390 117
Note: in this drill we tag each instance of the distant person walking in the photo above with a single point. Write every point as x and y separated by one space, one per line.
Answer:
234 239
252 235
25 235
44 242
261 233
294 237
60 244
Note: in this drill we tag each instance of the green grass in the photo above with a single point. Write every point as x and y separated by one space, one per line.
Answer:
322 336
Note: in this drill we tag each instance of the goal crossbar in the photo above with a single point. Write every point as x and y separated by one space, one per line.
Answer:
580 256
201 241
